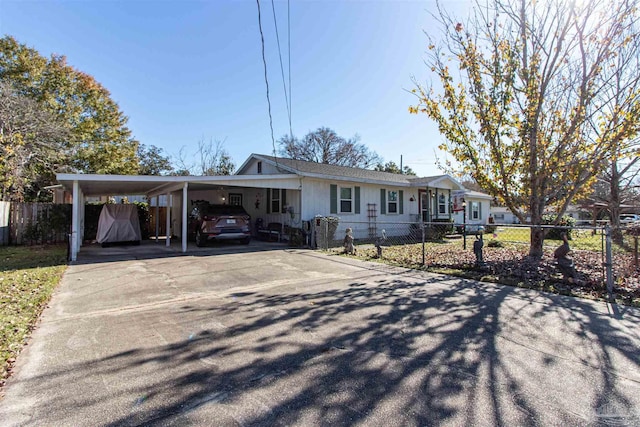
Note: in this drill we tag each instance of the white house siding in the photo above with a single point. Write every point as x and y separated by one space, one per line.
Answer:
290 218
267 169
317 202
485 211
254 201
504 216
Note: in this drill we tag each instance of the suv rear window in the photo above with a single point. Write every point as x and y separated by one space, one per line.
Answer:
224 210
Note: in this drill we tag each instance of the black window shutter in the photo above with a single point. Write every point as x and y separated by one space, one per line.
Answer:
401 201
333 196
383 201
268 200
356 208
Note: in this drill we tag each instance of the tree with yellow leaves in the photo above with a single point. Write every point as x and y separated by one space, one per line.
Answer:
534 98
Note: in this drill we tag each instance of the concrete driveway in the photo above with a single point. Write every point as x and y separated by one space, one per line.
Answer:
295 337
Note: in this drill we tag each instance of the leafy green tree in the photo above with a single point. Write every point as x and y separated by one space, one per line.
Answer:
98 139
391 167
325 146
534 98
153 161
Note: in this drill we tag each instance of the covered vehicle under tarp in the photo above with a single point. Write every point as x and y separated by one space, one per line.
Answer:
118 224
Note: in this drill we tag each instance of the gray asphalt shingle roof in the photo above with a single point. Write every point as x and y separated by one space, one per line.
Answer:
305 167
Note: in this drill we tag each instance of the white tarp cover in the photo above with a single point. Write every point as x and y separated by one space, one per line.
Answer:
118 223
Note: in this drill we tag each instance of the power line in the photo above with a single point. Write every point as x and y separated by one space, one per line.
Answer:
289 59
266 80
284 84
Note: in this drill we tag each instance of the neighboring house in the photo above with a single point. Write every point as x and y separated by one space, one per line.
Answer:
503 215
581 215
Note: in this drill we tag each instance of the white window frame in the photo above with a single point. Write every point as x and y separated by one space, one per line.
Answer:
276 199
235 199
475 211
442 204
394 203
350 200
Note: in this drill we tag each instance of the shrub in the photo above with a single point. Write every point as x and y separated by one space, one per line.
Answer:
438 228
51 225
91 217
564 226
495 244
490 228
144 218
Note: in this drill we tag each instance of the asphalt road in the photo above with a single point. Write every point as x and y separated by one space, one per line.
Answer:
295 337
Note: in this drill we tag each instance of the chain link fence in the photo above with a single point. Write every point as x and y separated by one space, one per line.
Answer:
602 261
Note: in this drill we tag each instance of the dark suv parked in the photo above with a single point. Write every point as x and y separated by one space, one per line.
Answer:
219 222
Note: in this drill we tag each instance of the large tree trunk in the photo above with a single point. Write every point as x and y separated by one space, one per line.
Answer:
537 239
536 204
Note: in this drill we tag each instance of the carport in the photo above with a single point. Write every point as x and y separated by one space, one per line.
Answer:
176 188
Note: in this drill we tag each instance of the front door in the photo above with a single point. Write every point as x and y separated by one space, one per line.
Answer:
424 205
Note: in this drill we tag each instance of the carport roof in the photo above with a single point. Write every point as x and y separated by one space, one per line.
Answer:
107 185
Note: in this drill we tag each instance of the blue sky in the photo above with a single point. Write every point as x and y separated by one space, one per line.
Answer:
187 70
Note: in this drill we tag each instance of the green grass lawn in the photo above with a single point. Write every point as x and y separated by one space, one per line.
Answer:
581 239
506 254
28 276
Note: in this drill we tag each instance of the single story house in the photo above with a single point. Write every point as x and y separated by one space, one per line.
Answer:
291 193
503 215
358 195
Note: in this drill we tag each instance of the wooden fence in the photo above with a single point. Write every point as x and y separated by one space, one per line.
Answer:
37 223
33 223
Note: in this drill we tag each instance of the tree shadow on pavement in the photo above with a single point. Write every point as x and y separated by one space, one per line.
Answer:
407 351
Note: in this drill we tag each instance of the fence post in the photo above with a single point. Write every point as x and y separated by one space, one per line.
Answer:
422 228
609 263
326 233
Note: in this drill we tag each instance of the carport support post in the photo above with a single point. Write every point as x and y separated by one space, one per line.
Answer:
168 233
157 217
75 221
184 216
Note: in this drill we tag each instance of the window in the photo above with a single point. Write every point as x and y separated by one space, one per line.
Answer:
442 204
259 167
346 199
475 210
392 202
235 199
275 200
499 216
